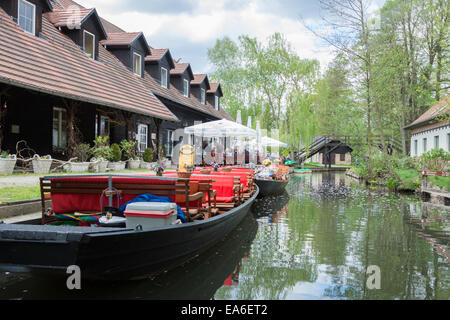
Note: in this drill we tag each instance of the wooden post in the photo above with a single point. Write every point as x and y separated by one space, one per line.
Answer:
158 123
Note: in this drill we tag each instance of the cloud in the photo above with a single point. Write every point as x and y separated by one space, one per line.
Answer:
189 27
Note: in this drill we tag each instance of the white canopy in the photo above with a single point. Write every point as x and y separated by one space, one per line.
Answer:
269 142
264 142
220 128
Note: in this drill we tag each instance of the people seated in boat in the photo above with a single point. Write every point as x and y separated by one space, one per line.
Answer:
266 172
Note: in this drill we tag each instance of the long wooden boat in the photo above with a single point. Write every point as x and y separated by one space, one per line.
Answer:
112 253
271 187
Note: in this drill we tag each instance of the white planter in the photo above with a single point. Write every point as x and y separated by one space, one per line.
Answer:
42 166
117 166
102 166
78 167
7 165
144 165
134 164
98 166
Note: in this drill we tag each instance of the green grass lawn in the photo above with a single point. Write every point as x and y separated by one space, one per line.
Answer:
441 182
11 194
411 177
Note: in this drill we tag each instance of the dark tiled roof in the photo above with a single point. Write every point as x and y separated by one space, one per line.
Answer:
172 93
56 65
198 78
121 38
438 110
156 54
68 18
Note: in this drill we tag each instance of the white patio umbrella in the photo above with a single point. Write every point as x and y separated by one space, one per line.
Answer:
249 121
269 142
239 117
221 128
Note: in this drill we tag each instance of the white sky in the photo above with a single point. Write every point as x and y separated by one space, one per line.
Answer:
189 27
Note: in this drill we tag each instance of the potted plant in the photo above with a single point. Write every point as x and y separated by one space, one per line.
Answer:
7 163
129 150
42 165
215 166
186 174
82 152
115 160
158 168
205 171
147 158
101 152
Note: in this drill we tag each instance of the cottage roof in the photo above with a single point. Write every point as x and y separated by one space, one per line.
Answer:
55 65
440 109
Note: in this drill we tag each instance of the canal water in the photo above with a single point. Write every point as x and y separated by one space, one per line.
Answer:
316 241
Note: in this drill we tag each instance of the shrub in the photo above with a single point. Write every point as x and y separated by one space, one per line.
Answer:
404 163
129 149
82 152
148 155
435 160
101 149
116 153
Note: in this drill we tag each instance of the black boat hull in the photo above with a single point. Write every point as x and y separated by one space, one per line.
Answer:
116 254
270 187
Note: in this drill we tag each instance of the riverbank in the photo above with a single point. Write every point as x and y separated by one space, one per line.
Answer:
409 180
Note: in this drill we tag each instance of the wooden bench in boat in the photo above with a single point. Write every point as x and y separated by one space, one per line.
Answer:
84 194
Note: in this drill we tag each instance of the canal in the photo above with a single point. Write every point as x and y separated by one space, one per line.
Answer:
316 241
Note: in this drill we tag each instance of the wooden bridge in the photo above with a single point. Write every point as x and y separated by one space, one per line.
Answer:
342 144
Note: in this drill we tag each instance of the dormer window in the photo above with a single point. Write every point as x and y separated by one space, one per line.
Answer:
89 44
27 16
186 88
137 64
203 96
216 102
164 77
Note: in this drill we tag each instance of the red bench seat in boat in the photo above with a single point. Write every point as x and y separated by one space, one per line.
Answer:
81 194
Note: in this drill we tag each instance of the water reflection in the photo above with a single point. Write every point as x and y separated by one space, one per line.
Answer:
313 242
197 280
334 229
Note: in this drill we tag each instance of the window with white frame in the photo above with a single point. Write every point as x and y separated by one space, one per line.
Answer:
186 88
203 96
137 64
448 142
216 102
89 44
59 128
164 77
436 142
169 143
27 16
424 145
142 137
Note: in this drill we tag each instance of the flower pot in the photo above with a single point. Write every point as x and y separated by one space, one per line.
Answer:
227 170
205 171
117 166
184 175
98 166
7 165
78 167
102 166
144 165
42 166
134 164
